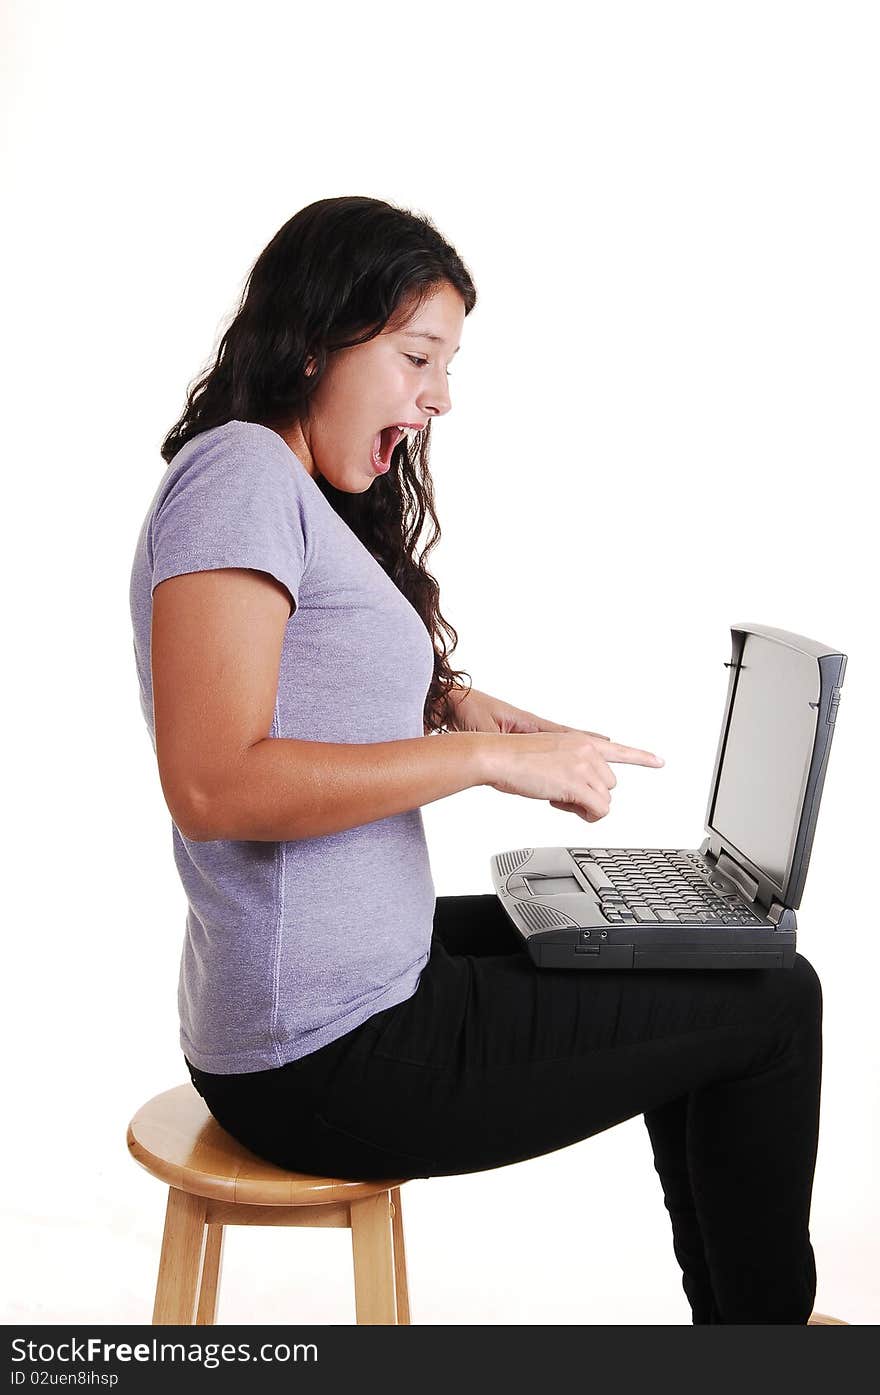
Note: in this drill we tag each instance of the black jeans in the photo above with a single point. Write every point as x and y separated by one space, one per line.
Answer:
493 1060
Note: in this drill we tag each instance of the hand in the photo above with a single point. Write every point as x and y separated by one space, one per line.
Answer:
569 768
476 711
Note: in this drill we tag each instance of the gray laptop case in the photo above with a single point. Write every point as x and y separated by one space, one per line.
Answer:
731 904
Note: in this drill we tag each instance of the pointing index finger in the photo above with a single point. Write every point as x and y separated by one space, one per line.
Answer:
631 755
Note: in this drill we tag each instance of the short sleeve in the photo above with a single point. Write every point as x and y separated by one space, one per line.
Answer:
235 501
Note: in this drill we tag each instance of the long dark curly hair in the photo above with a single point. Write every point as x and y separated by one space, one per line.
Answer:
333 276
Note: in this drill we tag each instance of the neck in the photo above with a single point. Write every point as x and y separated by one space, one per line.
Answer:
294 437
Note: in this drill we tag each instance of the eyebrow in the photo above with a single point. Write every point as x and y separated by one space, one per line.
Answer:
423 334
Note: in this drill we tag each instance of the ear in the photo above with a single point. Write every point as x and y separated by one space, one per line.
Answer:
310 367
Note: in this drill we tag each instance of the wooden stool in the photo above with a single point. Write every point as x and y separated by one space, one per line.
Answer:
214 1182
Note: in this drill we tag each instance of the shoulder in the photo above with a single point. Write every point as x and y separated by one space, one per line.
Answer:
242 460
239 442
234 496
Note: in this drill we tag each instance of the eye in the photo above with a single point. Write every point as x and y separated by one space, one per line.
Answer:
420 362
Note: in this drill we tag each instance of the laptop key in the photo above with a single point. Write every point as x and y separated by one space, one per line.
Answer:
595 876
643 913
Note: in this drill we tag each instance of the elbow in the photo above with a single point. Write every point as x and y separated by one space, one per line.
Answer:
193 830
201 821
205 821
194 835
190 835
192 817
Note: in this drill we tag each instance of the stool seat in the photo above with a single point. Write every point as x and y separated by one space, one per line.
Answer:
213 1181
175 1137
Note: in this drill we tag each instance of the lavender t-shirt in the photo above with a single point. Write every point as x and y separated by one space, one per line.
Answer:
289 945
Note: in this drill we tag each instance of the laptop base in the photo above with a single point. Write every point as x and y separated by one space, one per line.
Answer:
560 917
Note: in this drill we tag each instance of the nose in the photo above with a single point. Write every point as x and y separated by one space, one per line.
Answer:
434 398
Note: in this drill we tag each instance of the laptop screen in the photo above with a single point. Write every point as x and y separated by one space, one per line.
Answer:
766 757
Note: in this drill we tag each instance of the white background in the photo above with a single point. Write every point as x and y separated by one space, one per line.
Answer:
664 422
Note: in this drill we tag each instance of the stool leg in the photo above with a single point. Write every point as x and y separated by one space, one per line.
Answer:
209 1287
180 1263
400 1283
373 1260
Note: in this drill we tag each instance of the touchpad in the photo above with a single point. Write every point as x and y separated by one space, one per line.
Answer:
552 886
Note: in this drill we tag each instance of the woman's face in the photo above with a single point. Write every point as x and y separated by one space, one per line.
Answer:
397 379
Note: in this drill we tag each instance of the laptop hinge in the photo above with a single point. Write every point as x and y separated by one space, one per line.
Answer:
783 917
740 878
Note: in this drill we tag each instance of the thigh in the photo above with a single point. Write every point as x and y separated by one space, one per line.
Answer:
488 1013
493 1061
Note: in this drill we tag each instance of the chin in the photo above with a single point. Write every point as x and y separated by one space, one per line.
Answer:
357 483
345 485
358 487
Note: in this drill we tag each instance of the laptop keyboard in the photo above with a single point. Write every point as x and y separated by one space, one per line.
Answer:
637 885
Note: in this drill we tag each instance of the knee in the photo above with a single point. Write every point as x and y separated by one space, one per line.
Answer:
803 991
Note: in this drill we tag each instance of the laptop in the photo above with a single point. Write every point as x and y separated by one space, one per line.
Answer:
731 904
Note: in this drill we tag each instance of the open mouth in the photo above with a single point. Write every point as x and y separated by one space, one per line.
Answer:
386 441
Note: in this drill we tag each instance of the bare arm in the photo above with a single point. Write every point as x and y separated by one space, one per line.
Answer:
286 789
216 653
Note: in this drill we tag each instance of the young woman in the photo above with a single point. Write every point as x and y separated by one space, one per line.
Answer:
295 680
